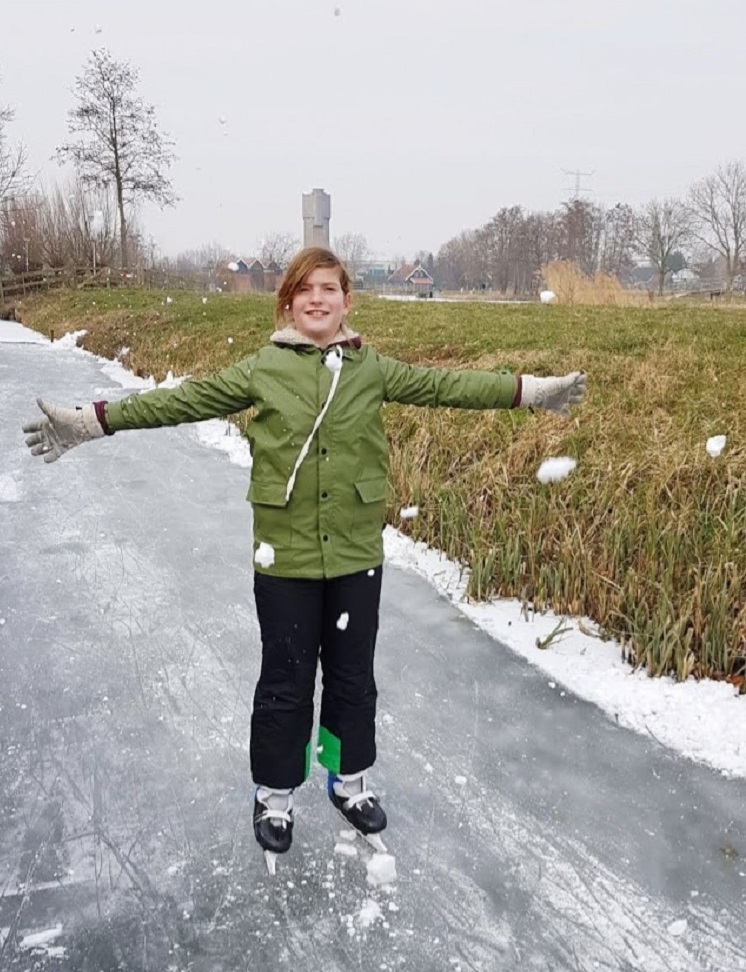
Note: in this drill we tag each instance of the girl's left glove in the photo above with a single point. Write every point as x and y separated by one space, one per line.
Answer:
62 429
553 394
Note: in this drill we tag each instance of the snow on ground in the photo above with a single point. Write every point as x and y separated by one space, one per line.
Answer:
449 300
704 720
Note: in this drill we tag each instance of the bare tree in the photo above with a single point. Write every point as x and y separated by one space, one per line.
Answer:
278 247
718 205
12 160
122 146
203 259
661 228
352 249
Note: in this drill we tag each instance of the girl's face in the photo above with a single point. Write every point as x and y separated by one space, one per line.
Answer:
319 305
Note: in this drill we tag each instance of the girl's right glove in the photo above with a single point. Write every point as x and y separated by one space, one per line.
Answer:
553 394
62 429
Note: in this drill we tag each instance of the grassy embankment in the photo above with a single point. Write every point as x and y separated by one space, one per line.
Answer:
648 535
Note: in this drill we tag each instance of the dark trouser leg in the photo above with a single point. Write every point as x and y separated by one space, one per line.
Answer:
347 734
290 619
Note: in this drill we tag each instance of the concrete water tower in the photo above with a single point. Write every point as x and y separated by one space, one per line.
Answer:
317 211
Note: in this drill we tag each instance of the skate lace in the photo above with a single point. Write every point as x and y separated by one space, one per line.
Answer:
358 798
283 817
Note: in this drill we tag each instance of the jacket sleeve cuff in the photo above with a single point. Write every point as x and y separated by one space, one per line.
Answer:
518 391
101 416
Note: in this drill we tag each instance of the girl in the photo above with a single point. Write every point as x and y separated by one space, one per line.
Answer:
318 492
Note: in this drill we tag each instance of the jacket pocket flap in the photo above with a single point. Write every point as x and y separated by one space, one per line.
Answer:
267 494
372 490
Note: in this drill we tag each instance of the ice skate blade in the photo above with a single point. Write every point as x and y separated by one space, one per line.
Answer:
270 860
375 842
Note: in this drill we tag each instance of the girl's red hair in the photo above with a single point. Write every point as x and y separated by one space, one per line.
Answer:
300 267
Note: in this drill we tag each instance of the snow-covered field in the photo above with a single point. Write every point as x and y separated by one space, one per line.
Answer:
703 720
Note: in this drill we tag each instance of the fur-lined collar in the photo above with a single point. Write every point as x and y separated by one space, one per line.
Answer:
289 335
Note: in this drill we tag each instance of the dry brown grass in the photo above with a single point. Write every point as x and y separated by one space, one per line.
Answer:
572 287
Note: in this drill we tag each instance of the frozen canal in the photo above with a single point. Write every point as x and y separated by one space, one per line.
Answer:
529 831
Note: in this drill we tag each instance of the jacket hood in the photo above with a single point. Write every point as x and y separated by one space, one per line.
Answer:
288 335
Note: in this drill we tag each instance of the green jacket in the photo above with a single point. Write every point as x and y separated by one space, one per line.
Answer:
332 522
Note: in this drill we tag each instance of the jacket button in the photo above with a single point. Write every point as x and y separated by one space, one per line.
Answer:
324 495
323 452
325 538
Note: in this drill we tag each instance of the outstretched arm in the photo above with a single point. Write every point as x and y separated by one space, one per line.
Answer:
439 387
223 393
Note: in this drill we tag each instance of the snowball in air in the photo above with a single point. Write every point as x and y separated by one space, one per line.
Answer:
343 620
715 445
230 340
223 120
169 300
552 470
265 555
409 512
333 361
204 300
233 266
547 296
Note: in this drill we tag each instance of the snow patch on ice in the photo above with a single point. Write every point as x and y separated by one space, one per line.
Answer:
381 870
369 913
10 490
345 849
225 436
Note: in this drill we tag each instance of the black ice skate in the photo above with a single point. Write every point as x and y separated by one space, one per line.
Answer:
273 822
359 807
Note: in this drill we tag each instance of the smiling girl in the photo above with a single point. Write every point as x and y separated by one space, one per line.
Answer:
318 494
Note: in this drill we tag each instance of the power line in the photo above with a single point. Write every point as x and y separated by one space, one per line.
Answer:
577 175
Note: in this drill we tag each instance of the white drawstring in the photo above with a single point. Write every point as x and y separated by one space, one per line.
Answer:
333 362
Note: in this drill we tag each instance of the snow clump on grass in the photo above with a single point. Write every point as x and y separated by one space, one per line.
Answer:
715 445
409 512
552 470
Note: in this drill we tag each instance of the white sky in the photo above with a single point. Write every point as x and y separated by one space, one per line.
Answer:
702 720
420 118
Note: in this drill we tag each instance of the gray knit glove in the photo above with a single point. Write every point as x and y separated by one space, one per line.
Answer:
554 394
62 429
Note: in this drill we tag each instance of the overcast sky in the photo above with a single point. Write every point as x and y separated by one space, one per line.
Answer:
421 119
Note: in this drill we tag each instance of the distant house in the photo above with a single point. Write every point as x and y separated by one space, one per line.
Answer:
410 278
684 279
252 275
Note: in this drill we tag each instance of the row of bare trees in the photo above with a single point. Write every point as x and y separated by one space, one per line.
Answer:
508 252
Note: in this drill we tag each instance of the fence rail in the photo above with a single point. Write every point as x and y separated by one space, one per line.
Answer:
15 285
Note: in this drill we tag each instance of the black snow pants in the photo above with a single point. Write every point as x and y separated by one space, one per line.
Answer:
301 621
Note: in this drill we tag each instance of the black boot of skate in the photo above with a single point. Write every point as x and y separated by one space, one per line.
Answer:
359 807
273 819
